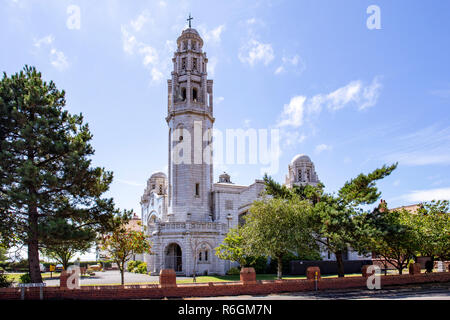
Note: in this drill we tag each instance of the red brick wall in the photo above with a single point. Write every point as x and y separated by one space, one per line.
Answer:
216 289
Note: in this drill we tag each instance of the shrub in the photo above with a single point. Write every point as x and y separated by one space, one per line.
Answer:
141 268
4 282
131 265
233 271
25 278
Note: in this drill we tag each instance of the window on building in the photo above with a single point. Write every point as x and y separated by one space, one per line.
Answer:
197 189
200 256
194 64
183 63
194 94
299 175
160 189
183 94
206 255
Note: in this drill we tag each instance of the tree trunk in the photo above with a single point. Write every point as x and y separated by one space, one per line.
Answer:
33 247
122 273
280 268
340 264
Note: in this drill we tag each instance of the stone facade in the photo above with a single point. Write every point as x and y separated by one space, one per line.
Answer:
186 214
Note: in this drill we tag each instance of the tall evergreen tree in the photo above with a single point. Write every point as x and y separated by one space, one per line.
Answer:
48 189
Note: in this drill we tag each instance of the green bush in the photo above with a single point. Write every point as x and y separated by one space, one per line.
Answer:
25 278
4 282
132 265
233 271
141 268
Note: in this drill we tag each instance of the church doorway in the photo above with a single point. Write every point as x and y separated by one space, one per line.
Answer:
173 257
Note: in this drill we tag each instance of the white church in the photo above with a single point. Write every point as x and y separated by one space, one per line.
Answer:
187 214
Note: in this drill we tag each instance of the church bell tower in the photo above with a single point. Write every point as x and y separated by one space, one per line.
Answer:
190 120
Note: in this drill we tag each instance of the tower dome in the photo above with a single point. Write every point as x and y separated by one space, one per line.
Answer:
302 171
189 40
300 158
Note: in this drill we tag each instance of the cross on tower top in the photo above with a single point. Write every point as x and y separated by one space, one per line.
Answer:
190 18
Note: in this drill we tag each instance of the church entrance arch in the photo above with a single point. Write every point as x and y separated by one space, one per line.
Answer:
173 257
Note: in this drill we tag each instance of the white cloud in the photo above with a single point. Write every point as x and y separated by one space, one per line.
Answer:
353 93
157 75
254 52
57 57
129 41
290 63
293 112
59 60
427 195
322 147
140 21
212 36
149 54
292 138
47 40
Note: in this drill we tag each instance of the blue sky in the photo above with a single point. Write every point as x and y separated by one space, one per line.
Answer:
351 98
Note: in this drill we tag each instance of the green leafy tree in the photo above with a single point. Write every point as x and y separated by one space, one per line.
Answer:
432 224
121 244
233 248
48 188
337 221
276 227
3 254
393 238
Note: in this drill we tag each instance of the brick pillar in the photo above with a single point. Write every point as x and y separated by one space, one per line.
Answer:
311 273
248 275
167 278
63 279
364 270
414 268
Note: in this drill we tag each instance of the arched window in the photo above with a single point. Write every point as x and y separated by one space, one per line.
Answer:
194 94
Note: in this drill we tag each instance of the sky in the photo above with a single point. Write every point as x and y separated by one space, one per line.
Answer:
351 86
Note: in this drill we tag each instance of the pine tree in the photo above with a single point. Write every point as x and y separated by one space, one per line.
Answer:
48 189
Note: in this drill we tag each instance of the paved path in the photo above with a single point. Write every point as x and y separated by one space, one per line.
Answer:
112 277
412 292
